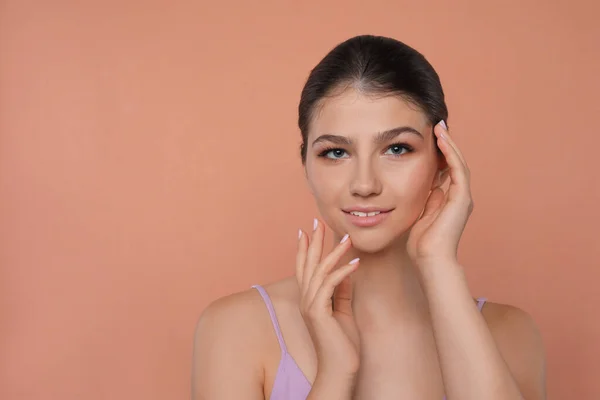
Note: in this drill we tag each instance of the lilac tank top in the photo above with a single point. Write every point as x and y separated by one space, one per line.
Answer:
290 382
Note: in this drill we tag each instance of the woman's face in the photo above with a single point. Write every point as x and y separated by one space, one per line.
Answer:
371 162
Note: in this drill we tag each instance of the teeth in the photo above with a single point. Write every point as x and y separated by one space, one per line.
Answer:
363 214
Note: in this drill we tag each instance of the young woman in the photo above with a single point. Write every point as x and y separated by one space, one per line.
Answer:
387 314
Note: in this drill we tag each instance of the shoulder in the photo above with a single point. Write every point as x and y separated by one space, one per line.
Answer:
232 310
512 326
245 311
229 345
224 318
519 341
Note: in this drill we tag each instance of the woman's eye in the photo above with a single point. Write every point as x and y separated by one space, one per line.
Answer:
397 150
335 153
394 150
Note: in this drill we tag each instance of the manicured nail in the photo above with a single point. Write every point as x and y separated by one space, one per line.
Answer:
354 261
299 233
315 223
344 238
443 125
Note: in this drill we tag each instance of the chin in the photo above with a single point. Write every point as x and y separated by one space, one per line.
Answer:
372 241
375 239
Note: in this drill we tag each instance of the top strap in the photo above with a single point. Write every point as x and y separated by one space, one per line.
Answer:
271 309
480 302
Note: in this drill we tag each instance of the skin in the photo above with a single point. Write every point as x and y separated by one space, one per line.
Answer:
403 323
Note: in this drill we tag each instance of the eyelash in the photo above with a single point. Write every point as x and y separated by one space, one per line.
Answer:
324 152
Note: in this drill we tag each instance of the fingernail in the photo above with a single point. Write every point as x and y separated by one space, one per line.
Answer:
344 238
354 261
443 124
315 223
299 233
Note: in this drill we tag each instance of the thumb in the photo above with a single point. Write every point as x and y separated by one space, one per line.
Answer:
434 202
342 297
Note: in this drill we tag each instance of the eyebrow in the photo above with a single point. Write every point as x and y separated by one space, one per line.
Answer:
381 137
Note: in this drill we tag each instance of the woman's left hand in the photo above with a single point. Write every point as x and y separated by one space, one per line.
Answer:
435 236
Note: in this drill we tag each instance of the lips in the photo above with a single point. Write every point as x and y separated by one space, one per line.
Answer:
366 216
366 209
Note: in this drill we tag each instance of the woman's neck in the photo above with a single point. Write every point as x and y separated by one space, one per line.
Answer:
387 288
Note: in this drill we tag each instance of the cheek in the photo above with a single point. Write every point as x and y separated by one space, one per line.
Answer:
411 185
326 184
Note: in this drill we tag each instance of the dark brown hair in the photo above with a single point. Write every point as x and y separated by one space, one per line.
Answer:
375 65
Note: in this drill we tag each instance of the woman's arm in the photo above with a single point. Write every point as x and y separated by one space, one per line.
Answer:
475 362
226 358
503 361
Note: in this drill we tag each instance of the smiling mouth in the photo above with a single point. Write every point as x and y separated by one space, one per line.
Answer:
367 218
365 214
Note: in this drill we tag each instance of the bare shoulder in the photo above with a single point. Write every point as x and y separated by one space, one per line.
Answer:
512 324
245 312
228 346
224 318
519 341
232 311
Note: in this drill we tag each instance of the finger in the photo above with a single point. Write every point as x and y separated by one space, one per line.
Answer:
459 189
325 293
315 251
444 134
342 297
327 264
457 170
301 256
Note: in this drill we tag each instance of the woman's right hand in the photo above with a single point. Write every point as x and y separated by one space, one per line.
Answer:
331 324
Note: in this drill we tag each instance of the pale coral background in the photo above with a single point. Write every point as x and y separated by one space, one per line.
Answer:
149 164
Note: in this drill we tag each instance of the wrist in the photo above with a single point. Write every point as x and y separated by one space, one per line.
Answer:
439 270
433 261
337 374
332 386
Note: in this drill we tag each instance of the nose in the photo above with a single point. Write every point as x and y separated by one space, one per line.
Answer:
365 180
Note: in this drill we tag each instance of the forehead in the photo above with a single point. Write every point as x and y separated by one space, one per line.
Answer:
352 113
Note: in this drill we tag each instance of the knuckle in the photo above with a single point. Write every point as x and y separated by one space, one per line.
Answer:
317 274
